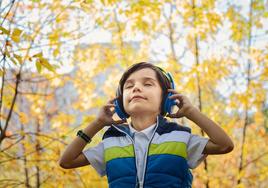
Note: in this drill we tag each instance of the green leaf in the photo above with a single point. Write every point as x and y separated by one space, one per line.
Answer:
4 31
46 64
13 60
39 55
19 58
26 37
38 66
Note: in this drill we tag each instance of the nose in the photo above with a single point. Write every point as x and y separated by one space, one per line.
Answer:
136 87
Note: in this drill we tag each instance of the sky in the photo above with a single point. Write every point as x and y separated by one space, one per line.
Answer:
159 47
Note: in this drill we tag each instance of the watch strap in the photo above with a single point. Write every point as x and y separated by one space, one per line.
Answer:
82 135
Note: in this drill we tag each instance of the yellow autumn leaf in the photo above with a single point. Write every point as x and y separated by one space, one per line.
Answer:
88 1
23 118
87 119
56 52
259 117
54 37
2 116
15 36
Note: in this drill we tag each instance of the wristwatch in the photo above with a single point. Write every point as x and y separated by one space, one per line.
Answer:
82 135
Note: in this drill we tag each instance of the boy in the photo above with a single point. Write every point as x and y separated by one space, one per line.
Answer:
150 151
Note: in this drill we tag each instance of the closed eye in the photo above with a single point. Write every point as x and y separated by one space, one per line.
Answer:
129 86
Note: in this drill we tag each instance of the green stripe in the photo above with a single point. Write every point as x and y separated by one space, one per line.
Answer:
118 152
174 148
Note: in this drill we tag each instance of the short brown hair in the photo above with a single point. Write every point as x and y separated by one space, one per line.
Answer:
161 77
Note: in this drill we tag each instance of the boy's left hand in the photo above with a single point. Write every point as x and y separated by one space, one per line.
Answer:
184 104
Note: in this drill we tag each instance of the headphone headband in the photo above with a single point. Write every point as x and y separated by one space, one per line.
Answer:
168 103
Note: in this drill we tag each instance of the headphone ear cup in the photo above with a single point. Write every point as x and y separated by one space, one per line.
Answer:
169 103
119 111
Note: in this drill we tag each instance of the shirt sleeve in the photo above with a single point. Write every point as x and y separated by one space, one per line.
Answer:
195 148
95 156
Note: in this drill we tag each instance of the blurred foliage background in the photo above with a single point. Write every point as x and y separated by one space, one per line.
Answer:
62 60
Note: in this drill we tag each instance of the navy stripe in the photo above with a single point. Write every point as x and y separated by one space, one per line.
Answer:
168 127
113 132
164 126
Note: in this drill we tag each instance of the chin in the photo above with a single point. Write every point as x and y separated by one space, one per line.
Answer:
139 111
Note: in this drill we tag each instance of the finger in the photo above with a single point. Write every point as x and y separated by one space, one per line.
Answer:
176 115
171 115
109 105
179 96
112 100
172 91
178 103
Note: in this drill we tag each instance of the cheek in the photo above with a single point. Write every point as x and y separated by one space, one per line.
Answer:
125 98
160 98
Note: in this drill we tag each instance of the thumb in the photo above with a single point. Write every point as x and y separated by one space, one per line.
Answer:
171 115
176 115
119 121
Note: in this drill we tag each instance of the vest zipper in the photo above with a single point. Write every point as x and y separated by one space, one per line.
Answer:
145 163
137 180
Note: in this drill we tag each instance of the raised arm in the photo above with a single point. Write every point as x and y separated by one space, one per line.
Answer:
219 141
73 157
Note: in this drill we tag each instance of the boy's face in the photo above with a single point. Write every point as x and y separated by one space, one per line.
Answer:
142 93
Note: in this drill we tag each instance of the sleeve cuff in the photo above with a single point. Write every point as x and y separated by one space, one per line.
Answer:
197 159
94 162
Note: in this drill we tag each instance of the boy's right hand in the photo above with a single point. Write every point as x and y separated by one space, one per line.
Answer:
105 115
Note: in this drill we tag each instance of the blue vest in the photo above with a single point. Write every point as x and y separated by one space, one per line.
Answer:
166 162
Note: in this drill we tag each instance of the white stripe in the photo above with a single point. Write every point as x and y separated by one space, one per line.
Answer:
177 136
121 141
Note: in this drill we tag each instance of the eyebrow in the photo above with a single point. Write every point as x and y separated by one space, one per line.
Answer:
144 78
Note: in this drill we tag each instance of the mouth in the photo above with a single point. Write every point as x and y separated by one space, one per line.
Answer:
136 98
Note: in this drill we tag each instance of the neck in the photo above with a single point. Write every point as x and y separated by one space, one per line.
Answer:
142 122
